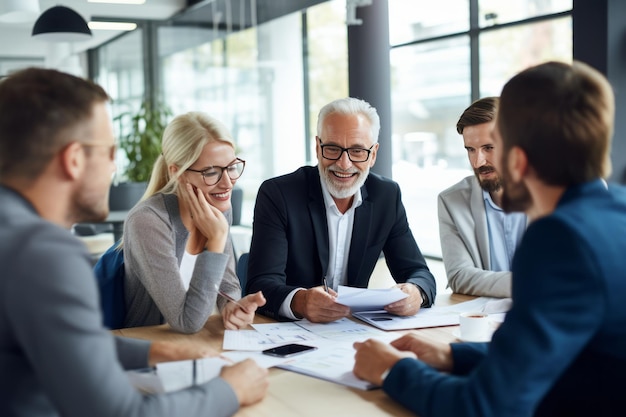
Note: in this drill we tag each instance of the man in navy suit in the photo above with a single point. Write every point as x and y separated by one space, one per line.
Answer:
561 350
326 226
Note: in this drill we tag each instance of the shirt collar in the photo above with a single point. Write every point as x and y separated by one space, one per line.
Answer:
489 201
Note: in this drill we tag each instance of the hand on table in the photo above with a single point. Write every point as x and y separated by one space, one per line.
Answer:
407 306
236 316
248 380
318 306
163 351
374 357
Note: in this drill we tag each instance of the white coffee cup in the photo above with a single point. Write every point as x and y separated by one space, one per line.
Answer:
474 326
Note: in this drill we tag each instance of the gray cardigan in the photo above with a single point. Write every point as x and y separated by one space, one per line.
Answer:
154 244
56 357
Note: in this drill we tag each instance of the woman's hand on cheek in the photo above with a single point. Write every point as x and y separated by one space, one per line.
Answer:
208 220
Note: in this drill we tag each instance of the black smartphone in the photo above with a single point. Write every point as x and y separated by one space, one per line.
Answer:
286 351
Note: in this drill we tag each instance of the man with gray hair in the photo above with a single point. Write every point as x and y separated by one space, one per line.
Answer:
318 228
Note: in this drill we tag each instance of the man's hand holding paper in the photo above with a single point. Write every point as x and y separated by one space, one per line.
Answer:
407 306
363 299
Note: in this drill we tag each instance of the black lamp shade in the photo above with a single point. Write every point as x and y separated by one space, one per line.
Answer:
61 24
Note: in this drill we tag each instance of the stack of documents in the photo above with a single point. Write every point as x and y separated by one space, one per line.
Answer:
332 361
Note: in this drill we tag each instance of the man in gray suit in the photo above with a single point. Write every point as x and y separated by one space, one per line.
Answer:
56 160
478 239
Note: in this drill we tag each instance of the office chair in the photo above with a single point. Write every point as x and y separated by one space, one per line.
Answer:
242 271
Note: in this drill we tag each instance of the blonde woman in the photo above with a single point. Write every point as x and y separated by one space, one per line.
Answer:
178 253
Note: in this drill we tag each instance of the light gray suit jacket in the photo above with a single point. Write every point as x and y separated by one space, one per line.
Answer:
464 238
56 358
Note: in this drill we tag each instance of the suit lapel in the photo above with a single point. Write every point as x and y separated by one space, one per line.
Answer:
317 212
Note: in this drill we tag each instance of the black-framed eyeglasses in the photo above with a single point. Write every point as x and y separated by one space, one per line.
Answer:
213 175
334 152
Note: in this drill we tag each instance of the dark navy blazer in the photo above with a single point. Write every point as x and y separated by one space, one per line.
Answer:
290 238
561 350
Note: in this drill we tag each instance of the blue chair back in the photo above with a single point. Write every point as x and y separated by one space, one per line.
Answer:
109 272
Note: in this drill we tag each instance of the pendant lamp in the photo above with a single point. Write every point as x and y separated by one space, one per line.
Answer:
61 24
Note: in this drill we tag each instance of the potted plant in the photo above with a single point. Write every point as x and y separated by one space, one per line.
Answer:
140 140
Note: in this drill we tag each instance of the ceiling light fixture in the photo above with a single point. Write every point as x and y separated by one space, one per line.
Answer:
61 24
18 11
101 25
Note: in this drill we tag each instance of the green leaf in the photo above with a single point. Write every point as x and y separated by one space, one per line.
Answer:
141 138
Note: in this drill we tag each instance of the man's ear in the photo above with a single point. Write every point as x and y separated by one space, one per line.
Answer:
72 160
517 163
372 159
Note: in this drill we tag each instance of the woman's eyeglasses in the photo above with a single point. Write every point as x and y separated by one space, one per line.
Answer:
213 175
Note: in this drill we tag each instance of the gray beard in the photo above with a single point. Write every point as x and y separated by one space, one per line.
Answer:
342 192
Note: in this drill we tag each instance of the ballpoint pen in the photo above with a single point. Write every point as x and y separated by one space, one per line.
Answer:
232 300
325 285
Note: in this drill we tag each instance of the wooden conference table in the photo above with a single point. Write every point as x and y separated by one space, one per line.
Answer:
292 394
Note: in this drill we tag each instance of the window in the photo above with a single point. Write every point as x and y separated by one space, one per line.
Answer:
505 52
440 62
327 60
121 73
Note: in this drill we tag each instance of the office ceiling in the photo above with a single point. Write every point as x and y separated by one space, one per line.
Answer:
16 41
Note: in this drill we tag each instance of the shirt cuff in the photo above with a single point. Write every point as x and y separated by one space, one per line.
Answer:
384 375
285 307
424 296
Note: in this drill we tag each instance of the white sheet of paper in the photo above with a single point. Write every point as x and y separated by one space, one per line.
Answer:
362 299
283 333
264 361
330 362
341 330
435 316
246 340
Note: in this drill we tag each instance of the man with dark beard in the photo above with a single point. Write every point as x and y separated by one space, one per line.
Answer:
478 239
325 226
561 350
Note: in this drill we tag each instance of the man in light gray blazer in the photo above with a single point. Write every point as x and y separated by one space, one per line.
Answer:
57 153
478 239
